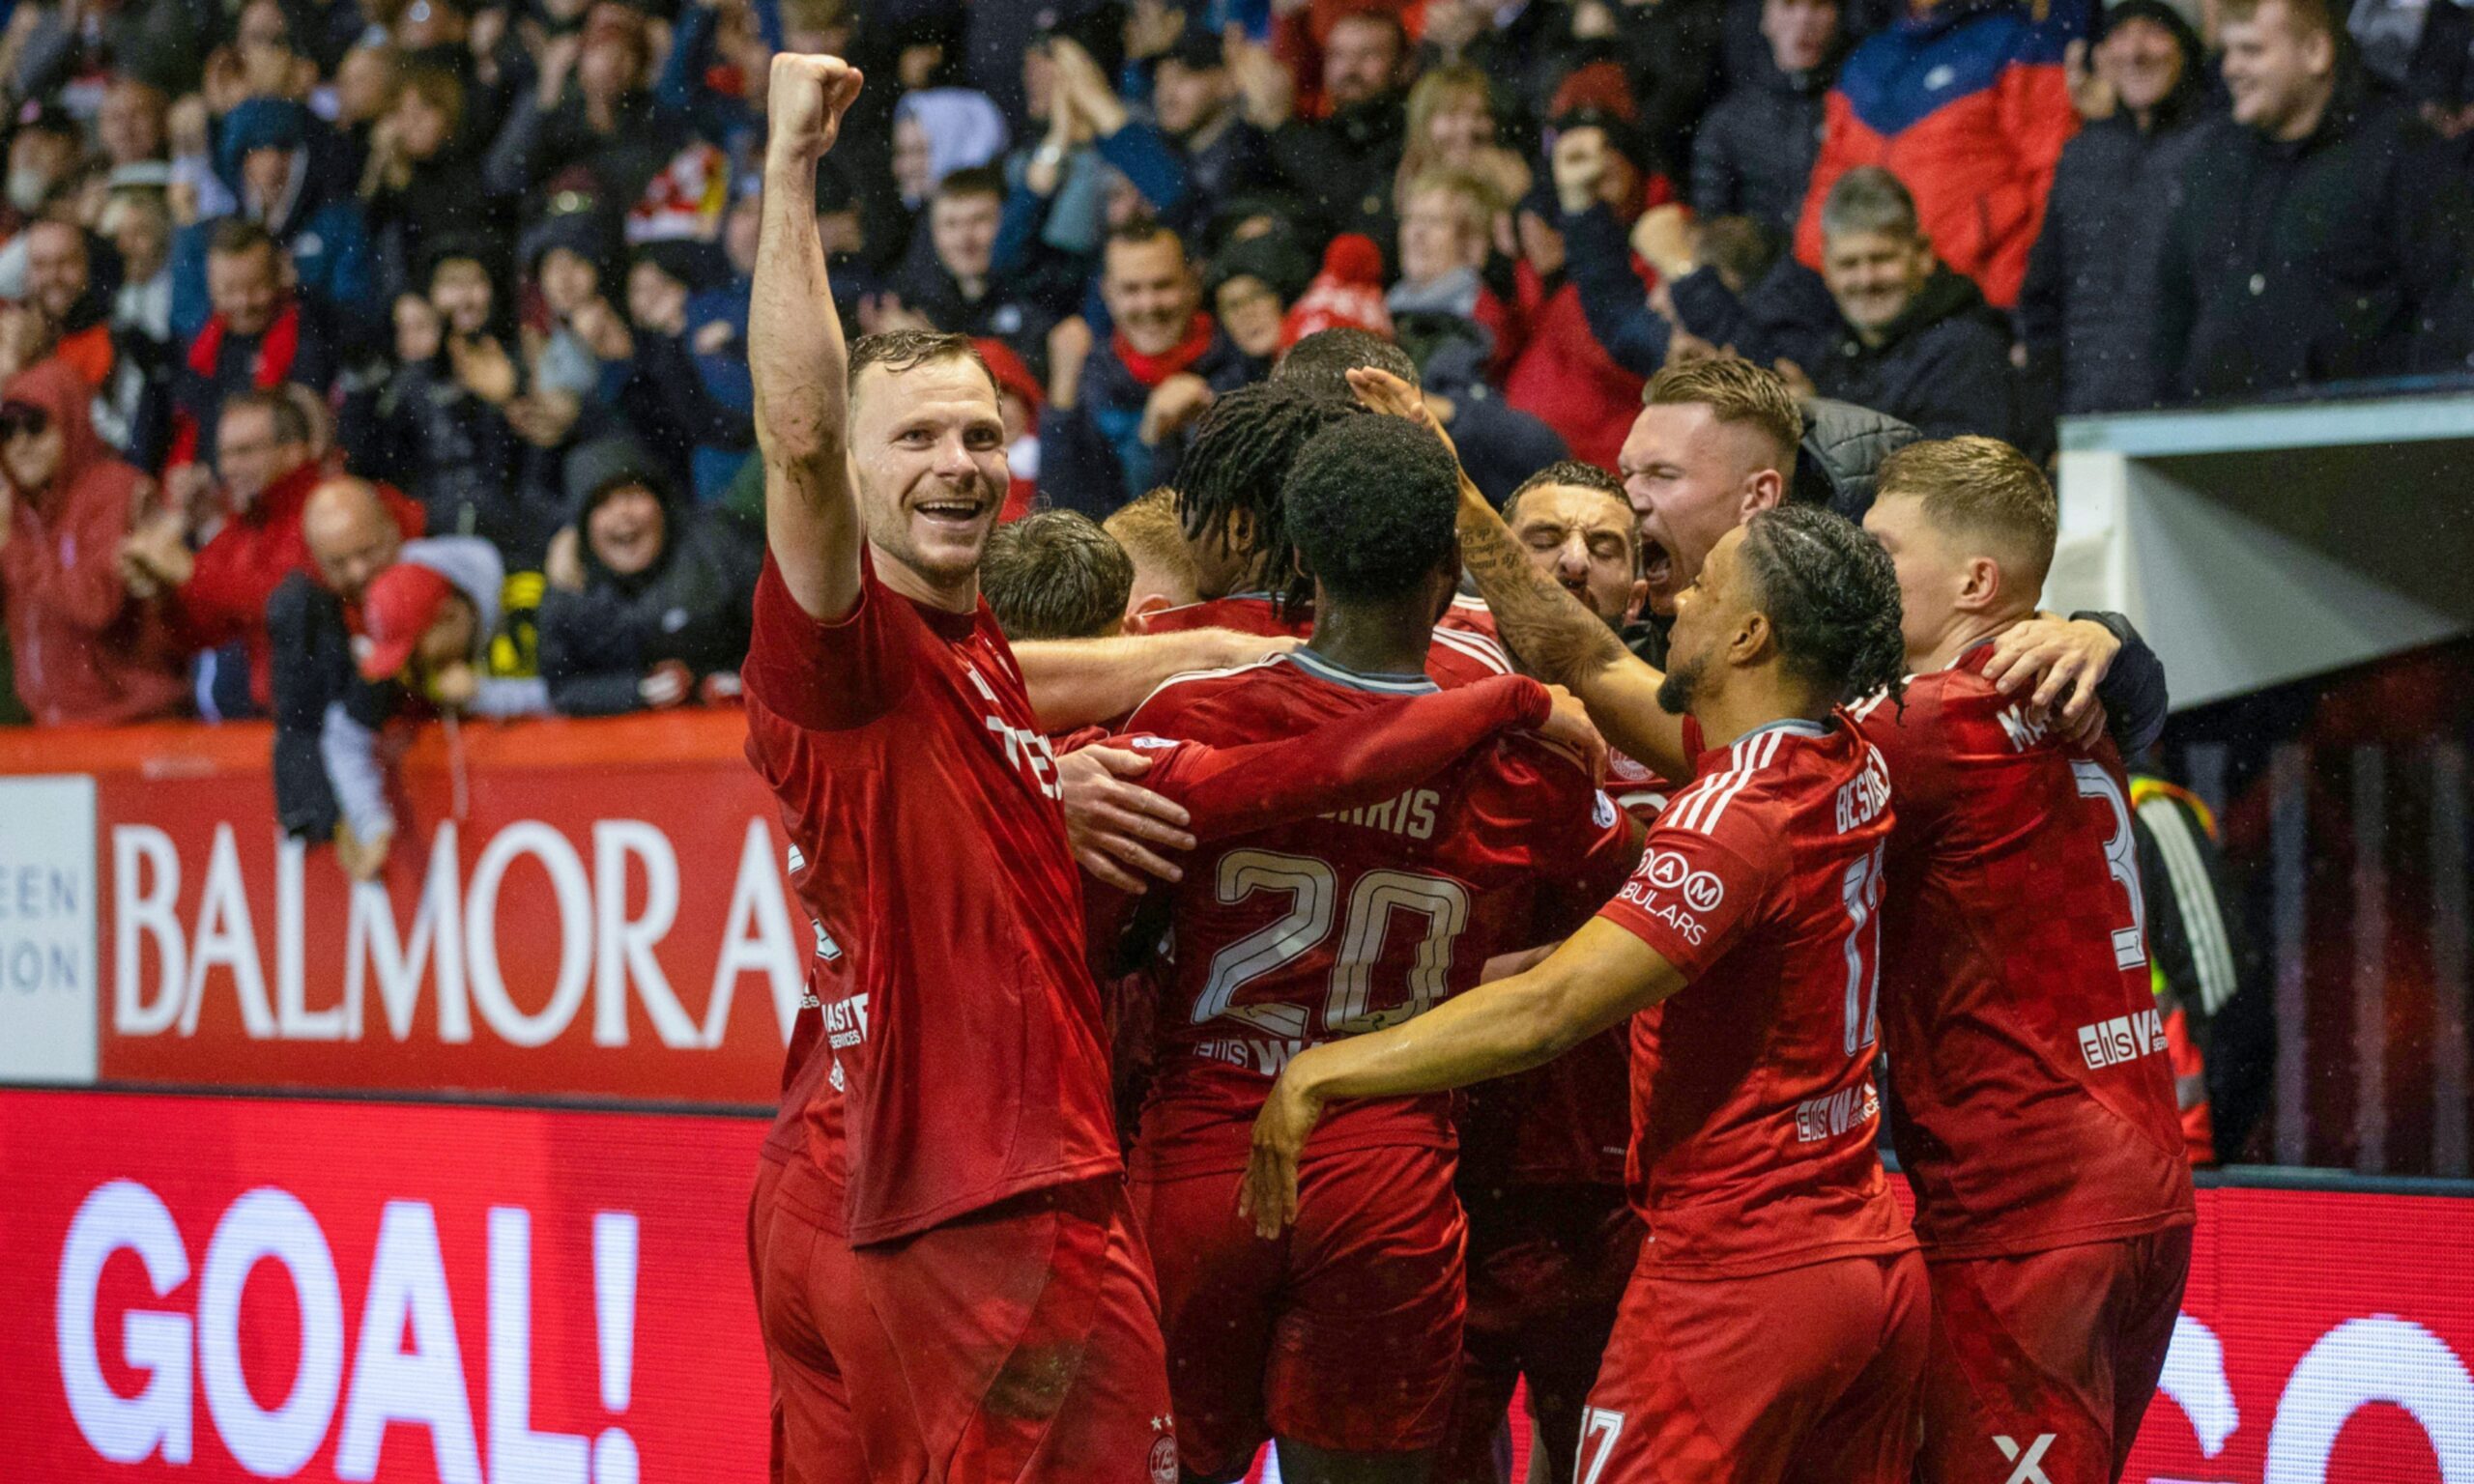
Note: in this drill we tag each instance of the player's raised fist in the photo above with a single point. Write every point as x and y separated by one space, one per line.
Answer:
805 102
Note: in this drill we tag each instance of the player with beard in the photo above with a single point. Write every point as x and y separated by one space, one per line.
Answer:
1774 1326
1229 499
947 1275
1341 1342
2032 1104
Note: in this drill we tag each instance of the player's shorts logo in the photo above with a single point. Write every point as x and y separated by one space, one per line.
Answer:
2029 1460
1163 1461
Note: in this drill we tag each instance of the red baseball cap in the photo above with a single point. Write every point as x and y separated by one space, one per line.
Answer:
398 607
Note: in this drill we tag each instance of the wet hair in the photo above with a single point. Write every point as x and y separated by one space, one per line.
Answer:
1831 597
1735 390
908 350
1321 363
1237 462
1868 199
1147 528
1372 508
1986 490
1054 574
1581 474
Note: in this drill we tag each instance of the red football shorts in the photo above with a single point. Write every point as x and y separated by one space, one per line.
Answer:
1343 1335
1800 1377
1020 1342
1547 1266
2042 1366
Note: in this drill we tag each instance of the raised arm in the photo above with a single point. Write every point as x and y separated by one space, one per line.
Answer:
795 350
1547 629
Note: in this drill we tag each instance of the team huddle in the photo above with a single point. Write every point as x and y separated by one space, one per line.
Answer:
1122 1131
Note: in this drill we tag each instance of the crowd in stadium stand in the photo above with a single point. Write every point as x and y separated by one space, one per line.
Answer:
362 357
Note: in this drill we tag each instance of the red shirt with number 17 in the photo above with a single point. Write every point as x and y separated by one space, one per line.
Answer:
2032 1102
1753 1109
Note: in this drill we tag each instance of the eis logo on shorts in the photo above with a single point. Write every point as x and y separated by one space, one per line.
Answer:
1667 888
2122 1039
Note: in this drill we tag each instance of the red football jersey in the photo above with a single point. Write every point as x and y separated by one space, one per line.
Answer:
963 1029
1460 655
1285 937
1753 1106
2033 1099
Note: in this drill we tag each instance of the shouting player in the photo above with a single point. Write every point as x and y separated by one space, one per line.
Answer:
947 1273
1342 1340
1774 1327
2032 1104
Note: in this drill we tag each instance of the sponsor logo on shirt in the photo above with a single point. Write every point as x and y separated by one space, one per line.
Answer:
1828 1118
1025 751
846 1022
2122 1039
1410 814
1268 1057
1862 798
1668 888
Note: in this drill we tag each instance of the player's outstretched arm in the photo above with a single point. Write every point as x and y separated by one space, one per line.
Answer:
1600 975
1554 638
795 350
1086 682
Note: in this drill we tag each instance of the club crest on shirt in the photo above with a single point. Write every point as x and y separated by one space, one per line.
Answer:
1163 1462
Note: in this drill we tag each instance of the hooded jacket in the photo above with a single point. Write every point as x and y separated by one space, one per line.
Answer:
1966 104
1943 364
319 222
2341 255
84 652
1754 152
693 605
2089 298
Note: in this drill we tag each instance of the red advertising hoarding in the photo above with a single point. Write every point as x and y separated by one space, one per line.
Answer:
227 1289
593 909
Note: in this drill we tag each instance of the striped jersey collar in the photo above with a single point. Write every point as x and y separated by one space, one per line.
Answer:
1322 669
1700 803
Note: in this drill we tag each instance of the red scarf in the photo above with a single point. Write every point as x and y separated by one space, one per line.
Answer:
275 349
1152 370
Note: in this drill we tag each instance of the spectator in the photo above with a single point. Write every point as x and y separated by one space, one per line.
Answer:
1915 340
1559 372
1161 365
1219 153
216 595
2089 298
658 390
421 178
352 535
1968 103
1251 283
2321 236
649 601
1447 225
1500 445
1754 154
1347 294
1452 125
1154 540
1056 575
441 433
131 374
43 157
271 155
589 107
130 124
260 335
85 651
137 222
956 291
1346 162
1018 402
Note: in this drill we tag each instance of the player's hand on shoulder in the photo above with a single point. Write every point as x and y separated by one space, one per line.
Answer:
1568 729
2058 662
805 101
1229 648
1117 827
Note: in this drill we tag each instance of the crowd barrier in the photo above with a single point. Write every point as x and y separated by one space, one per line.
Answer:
229 1288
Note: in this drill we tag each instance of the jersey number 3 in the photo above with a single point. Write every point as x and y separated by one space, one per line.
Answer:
2121 858
1313 890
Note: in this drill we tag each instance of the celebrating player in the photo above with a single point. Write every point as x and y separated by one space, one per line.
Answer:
2033 1108
1342 1340
1774 1327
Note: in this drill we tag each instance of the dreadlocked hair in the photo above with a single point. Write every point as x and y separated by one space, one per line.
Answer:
1831 596
1237 461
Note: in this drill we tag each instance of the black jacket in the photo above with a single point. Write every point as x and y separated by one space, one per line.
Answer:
313 670
1839 463
693 605
2090 298
1754 154
1343 164
1944 365
453 452
2342 255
